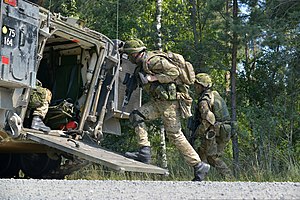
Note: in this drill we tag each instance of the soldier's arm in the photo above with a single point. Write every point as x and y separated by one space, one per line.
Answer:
207 116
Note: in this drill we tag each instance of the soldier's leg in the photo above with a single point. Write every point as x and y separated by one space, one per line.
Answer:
206 143
137 117
215 150
213 157
42 110
172 124
217 162
137 120
40 113
201 147
221 166
214 154
171 120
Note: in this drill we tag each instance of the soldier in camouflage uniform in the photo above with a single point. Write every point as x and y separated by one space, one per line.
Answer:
39 101
159 80
214 124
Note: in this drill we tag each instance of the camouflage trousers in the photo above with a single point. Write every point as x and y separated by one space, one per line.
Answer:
211 150
170 113
43 109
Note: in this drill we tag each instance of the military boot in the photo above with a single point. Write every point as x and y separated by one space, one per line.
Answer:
200 171
143 155
38 124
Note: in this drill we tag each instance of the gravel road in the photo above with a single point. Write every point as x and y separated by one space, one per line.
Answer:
31 189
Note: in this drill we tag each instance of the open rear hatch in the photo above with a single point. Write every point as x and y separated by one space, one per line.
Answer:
93 153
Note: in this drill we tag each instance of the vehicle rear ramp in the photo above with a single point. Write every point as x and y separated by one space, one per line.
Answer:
58 140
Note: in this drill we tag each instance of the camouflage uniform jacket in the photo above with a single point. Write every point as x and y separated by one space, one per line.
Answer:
211 109
166 74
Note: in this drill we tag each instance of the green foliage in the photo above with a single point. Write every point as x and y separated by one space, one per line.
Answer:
67 8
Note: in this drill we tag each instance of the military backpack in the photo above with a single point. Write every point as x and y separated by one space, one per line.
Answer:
186 69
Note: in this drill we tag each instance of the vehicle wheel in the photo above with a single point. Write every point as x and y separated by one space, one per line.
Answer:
9 165
37 165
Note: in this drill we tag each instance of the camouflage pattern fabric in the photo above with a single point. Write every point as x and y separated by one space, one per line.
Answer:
186 69
168 75
37 97
167 109
214 131
44 101
165 71
169 112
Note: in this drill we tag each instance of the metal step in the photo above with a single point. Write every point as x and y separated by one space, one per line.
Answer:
94 154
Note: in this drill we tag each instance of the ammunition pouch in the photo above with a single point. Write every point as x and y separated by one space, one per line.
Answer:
169 92
172 91
223 130
161 93
164 91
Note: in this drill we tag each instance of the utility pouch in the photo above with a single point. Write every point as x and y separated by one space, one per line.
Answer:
225 132
161 93
185 103
172 91
211 143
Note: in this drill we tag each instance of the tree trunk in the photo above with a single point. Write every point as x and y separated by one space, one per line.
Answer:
227 55
194 22
235 147
158 23
163 150
163 155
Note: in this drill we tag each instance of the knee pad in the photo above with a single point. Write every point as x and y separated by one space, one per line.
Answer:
136 118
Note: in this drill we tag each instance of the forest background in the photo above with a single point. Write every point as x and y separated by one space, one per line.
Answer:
251 48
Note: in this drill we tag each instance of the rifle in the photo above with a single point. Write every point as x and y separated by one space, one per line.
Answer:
192 125
131 83
139 78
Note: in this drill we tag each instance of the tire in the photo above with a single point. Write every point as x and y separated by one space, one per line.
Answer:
37 165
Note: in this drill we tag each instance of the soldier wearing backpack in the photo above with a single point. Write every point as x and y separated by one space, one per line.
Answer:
169 100
213 125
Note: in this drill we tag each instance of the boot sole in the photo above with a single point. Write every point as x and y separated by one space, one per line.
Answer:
135 157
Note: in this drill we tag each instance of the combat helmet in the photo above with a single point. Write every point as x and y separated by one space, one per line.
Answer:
203 79
133 46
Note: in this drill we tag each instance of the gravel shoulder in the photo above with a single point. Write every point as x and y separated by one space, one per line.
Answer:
31 189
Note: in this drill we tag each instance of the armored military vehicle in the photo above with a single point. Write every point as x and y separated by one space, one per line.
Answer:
82 68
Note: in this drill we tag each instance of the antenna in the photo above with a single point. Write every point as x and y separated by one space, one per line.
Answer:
117 33
50 3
